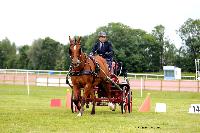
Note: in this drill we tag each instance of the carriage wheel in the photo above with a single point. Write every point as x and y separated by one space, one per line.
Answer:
122 107
128 105
123 101
129 100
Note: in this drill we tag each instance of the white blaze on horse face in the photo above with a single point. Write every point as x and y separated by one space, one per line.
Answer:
74 47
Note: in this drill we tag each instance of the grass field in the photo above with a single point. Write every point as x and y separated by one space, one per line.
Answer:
21 113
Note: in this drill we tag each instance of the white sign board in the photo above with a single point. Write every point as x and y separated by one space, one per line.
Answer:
194 108
161 107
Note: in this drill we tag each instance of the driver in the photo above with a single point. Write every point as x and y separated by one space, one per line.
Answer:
103 47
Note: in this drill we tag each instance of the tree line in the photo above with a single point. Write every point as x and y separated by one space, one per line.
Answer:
138 50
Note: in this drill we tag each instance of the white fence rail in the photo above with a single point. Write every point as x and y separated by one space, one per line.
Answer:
56 78
56 82
34 77
155 76
18 71
52 72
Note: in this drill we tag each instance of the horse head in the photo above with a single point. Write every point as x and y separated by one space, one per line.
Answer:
75 51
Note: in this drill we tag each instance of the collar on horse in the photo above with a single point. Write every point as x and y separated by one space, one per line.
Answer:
85 72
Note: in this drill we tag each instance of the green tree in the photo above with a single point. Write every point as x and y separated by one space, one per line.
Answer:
7 54
35 53
150 50
190 35
167 50
44 53
23 59
158 33
131 46
169 53
183 60
63 62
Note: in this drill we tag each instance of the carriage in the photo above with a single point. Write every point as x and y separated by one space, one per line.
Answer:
92 82
121 93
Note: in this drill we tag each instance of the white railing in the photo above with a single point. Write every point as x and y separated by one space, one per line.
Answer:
38 78
33 77
155 76
145 76
188 77
16 71
52 72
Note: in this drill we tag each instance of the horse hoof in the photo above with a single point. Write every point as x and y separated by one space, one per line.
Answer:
92 113
79 114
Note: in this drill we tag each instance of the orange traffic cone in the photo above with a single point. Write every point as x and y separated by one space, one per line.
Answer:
68 99
146 105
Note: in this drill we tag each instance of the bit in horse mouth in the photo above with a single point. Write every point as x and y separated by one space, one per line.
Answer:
76 65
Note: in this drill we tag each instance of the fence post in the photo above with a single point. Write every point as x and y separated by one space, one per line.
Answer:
36 79
4 78
24 80
179 85
14 79
27 82
59 81
161 84
47 81
141 85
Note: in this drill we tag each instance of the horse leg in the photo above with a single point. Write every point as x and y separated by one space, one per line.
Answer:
76 96
86 94
87 102
93 101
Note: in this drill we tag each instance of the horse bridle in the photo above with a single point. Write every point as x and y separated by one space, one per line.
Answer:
79 58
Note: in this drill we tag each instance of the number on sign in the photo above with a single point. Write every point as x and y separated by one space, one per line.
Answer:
194 108
197 109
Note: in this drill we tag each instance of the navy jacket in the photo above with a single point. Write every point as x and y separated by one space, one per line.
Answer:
106 50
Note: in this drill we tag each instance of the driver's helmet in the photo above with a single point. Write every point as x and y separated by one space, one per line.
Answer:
101 33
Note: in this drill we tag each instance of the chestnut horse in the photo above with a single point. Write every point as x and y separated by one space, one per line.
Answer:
83 75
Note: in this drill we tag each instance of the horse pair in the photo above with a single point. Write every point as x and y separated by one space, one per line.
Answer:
83 75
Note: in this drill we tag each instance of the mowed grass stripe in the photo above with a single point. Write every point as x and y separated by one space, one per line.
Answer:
22 113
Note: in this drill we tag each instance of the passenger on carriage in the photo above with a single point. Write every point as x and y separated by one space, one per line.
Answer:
103 47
